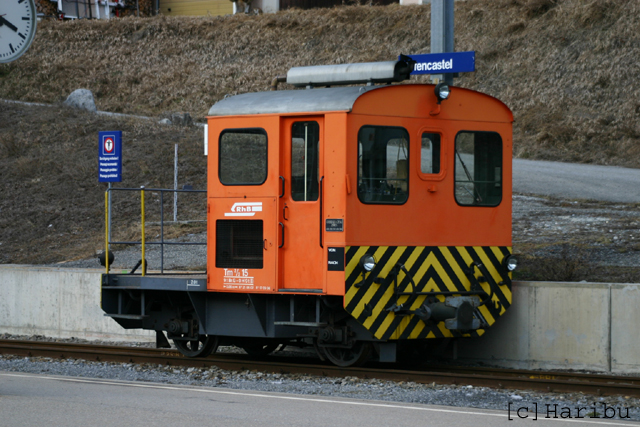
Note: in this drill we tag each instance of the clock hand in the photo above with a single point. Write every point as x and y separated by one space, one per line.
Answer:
8 24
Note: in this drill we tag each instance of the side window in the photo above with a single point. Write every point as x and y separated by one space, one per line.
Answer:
478 169
243 157
383 165
305 161
430 153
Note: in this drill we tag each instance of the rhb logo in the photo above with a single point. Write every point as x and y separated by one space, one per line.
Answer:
245 209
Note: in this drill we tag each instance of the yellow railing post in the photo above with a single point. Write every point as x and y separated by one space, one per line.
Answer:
106 230
144 263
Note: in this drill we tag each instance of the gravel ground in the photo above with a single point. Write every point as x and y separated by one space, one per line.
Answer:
351 387
606 231
176 257
568 240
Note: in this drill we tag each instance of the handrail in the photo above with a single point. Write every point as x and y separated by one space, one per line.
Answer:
166 190
144 264
143 241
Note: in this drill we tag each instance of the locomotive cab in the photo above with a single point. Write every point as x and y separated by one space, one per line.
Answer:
308 184
354 217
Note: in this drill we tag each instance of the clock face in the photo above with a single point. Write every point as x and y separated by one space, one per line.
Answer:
17 28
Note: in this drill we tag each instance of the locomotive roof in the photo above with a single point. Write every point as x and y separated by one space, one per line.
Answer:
290 101
407 100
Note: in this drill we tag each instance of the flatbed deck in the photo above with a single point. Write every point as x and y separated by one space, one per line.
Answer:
182 281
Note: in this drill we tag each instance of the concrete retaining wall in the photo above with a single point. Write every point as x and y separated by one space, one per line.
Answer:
550 325
625 328
564 325
57 302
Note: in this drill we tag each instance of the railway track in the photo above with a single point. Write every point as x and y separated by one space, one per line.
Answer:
549 381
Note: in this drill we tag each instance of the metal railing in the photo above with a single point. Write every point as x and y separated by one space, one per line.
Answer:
143 243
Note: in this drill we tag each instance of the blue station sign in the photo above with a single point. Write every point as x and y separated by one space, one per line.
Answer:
440 63
110 156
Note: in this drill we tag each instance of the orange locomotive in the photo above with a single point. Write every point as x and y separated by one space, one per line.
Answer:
351 218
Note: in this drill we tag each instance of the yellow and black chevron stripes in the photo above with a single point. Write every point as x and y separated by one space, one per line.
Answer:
369 295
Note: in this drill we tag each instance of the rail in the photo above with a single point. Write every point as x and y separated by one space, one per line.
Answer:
143 243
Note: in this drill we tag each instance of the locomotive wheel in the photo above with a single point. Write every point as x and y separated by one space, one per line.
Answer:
260 350
346 357
202 347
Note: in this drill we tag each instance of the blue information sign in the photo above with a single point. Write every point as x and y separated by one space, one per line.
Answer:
110 156
441 63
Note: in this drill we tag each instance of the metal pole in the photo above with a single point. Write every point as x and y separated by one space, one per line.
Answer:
144 262
442 39
109 219
175 186
106 232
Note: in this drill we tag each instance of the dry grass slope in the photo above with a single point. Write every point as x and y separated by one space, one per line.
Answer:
567 68
51 204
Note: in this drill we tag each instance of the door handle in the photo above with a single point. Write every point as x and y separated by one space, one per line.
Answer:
321 200
281 234
284 212
282 192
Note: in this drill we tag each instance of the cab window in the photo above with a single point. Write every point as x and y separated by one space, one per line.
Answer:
478 168
305 161
430 153
243 157
383 165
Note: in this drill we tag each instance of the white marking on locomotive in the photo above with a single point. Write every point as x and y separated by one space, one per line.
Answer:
193 283
236 278
245 209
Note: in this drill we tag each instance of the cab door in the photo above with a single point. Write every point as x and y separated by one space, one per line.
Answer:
300 249
243 204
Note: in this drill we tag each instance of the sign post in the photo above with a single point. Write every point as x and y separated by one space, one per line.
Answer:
110 162
442 40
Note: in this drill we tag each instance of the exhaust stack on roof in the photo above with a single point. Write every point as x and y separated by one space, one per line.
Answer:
349 74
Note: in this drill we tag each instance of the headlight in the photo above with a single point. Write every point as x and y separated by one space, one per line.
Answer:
510 263
367 262
442 91
102 258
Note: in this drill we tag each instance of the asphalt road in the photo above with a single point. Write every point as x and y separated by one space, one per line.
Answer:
32 400
566 180
577 181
